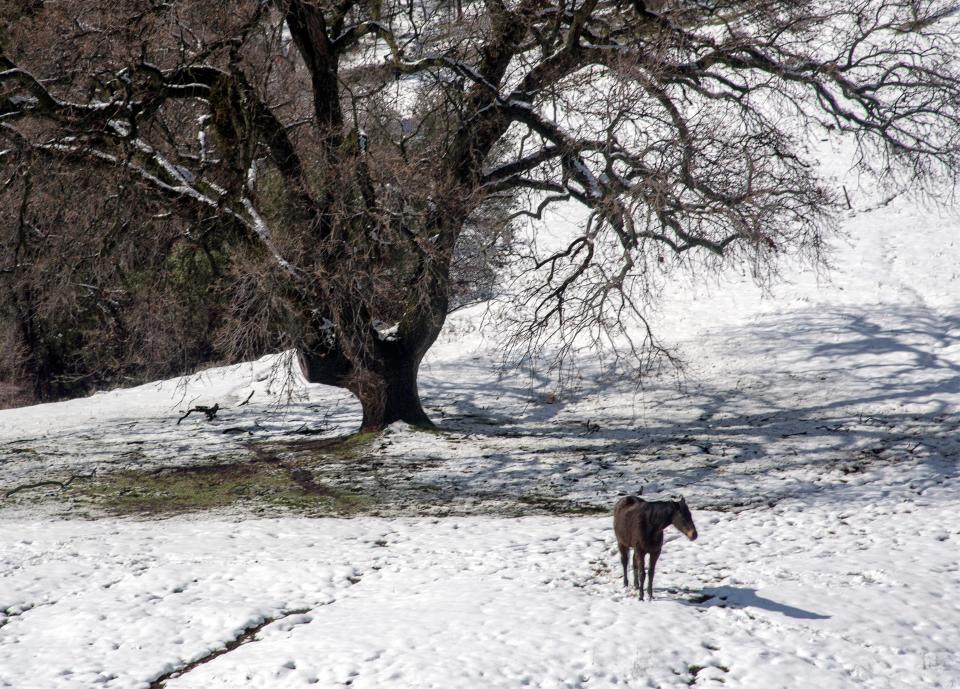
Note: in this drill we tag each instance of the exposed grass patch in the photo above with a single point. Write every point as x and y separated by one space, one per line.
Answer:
356 463
344 447
342 476
194 489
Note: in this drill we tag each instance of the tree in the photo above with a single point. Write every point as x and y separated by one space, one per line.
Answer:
314 168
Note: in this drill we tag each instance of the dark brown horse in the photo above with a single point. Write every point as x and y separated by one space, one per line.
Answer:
639 524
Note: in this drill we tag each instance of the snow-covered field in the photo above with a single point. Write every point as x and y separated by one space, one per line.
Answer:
814 434
830 595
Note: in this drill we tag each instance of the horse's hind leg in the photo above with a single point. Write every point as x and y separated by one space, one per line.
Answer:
654 556
624 559
638 572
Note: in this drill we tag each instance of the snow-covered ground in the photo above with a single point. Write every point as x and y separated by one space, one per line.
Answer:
835 595
814 434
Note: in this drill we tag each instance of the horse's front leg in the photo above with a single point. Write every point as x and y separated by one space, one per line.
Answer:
638 571
654 556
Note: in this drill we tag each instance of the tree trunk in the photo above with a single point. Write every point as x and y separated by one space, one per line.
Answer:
381 368
389 396
385 384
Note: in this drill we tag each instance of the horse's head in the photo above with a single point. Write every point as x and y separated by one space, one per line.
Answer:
683 520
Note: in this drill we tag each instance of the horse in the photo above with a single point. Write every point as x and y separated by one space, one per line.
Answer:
639 524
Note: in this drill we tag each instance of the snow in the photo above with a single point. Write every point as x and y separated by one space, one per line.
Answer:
387 332
834 596
814 435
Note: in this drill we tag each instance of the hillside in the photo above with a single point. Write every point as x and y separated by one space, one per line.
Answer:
814 432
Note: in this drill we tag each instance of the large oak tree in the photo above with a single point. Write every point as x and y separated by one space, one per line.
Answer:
308 173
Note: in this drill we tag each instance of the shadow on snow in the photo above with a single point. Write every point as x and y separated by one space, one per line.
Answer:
829 390
740 597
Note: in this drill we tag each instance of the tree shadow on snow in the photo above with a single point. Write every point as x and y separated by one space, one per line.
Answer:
829 390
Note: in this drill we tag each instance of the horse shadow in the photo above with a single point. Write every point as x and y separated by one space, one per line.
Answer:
739 598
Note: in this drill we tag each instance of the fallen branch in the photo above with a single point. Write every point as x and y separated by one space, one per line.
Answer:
63 485
303 430
246 400
210 412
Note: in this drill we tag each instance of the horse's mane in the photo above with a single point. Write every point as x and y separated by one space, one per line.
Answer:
660 512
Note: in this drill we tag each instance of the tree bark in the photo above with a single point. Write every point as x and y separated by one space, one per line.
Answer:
386 388
384 380
390 396
381 368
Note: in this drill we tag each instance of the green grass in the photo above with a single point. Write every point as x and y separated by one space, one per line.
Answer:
353 446
196 489
342 476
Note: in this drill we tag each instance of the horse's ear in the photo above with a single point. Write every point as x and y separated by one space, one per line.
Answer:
683 500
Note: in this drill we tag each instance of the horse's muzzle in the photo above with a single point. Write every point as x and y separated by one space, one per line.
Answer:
691 534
